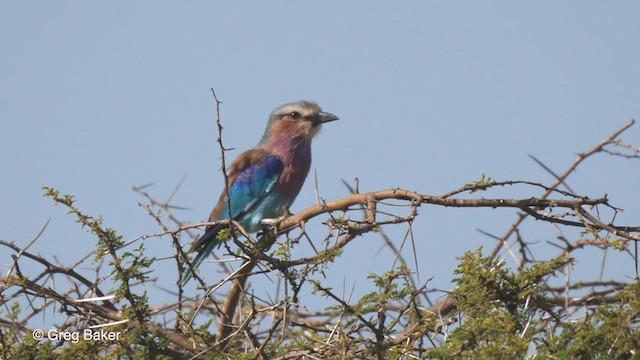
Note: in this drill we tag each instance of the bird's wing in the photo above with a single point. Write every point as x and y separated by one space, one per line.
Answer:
257 172
250 177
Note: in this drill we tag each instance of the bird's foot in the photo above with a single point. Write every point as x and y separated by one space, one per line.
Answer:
274 222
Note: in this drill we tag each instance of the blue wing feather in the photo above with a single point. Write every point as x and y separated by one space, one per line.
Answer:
251 186
251 190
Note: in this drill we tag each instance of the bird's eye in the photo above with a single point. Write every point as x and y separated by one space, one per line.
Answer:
295 115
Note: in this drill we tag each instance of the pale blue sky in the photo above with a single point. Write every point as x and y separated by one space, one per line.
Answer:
98 97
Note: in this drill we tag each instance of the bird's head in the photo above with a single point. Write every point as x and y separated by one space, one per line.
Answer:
297 120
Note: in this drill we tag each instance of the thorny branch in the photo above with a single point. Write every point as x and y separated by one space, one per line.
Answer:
244 319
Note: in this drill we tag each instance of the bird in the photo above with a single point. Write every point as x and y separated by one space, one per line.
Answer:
264 181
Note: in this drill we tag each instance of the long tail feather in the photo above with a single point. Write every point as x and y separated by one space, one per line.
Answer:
207 242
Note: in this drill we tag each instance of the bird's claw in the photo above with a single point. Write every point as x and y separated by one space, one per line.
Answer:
274 222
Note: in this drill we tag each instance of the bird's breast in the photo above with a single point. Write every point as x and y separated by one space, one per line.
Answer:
296 169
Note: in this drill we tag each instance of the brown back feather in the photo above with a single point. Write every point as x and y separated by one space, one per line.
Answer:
247 158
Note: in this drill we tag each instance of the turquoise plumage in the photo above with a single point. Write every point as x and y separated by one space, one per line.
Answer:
265 180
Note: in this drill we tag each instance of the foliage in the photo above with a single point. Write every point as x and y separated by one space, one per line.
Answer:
497 309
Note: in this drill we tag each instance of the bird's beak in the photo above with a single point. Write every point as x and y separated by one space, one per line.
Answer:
325 117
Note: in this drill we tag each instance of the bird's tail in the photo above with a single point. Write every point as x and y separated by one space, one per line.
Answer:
207 242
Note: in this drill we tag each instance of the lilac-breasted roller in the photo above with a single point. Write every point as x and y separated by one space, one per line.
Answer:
265 180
